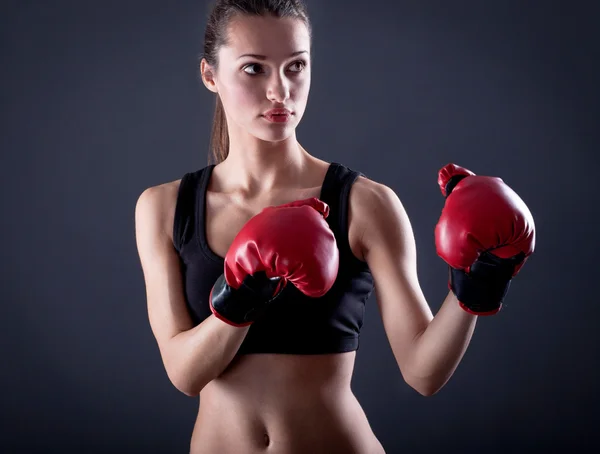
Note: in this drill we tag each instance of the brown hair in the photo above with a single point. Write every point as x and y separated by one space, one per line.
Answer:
216 36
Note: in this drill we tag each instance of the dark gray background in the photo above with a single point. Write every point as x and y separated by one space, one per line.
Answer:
101 100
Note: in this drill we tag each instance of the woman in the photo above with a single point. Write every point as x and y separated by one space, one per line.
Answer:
280 380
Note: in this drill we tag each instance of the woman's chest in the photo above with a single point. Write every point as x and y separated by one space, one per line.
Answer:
225 216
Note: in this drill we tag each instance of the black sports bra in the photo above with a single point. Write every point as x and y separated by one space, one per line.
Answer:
295 323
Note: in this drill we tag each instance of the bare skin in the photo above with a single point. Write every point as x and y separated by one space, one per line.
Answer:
271 402
283 404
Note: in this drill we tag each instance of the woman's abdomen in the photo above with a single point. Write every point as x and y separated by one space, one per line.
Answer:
265 405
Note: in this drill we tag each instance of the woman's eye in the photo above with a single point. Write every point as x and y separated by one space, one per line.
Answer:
252 65
299 65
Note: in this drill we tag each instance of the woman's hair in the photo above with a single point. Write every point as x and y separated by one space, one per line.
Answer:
216 36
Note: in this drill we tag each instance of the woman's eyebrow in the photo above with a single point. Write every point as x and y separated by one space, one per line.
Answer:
263 57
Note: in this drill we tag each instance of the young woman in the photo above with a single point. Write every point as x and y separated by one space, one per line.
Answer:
258 311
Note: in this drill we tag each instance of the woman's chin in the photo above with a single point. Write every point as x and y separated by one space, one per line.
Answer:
275 134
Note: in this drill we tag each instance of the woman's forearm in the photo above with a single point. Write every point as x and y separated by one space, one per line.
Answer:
197 356
439 349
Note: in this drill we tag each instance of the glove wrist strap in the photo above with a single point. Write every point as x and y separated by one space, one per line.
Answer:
481 290
244 305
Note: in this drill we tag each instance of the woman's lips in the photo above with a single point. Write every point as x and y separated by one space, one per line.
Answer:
277 115
277 118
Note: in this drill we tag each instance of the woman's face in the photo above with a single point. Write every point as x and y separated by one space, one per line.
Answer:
265 65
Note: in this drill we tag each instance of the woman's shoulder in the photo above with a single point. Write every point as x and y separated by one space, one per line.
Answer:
165 194
158 202
367 193
162 192
380 211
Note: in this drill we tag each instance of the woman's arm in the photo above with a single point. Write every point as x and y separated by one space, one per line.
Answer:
192 356
439 349
427 349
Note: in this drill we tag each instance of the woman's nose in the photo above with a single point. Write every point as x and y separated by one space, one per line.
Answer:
279 89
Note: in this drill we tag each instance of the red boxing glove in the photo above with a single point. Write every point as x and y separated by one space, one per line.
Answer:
286 243
485 234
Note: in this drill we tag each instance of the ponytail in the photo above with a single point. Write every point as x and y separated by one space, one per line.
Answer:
219 140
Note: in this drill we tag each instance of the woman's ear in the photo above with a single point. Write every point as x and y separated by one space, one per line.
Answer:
207 73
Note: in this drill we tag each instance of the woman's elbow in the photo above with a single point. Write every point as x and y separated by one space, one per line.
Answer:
185 383
426 388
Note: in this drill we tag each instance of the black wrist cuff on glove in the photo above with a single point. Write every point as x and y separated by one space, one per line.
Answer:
483 289
246 304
